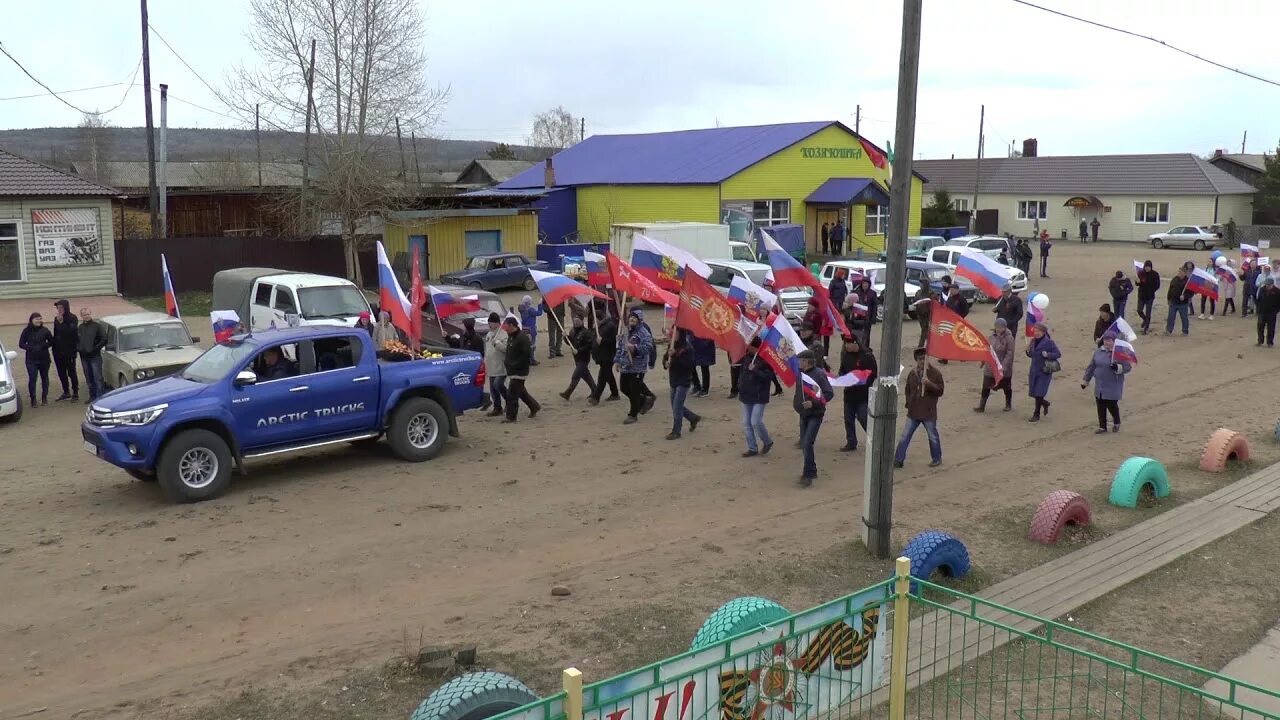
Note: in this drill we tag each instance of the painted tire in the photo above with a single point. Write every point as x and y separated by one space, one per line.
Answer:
474 696
935 551
1278 430
736 617
1224 446
1135 474
1059 509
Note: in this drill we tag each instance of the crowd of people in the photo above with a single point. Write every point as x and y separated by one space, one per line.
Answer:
70 339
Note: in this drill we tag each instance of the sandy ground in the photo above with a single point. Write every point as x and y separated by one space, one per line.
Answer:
115 602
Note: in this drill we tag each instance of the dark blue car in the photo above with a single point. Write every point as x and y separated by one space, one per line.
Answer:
498 271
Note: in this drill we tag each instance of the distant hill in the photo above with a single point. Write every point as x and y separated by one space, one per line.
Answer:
59 146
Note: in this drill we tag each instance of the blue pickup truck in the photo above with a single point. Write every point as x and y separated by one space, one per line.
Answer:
278 391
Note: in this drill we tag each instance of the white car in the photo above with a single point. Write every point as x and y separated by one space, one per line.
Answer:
742 251
795 301
1192 237
10 397
989 245
949 255
867 267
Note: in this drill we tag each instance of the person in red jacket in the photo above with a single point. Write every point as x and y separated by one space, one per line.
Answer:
816 317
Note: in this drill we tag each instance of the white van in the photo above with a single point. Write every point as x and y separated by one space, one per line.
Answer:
263 297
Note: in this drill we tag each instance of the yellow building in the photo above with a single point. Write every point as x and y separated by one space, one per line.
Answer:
447 238
809 174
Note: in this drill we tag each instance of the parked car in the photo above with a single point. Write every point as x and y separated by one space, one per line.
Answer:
495 272
188 431
923 271
989 245
264 297
864 267
10 395
145 345
431 327
918 246
1202 237
949 255
742 251
795 301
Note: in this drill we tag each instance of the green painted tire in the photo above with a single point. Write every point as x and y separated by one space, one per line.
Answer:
474 696
1134 474
737 617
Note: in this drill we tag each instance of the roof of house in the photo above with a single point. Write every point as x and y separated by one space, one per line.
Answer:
1173 174
1253 161
20 176
195 174
683 157
843 191
497 170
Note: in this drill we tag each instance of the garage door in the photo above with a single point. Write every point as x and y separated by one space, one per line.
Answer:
483 242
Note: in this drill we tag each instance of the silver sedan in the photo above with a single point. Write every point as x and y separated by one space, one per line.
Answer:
1186 236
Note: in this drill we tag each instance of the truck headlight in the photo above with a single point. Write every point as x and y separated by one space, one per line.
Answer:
144 416
5 387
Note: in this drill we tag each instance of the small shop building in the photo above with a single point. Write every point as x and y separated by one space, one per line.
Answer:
1130 196
810 173
56 237
448 230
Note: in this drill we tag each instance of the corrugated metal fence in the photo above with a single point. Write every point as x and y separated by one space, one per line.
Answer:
193 261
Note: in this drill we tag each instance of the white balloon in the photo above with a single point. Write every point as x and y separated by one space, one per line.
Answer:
1222 260
1041 301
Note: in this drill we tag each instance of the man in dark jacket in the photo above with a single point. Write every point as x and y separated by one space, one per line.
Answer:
853 358
839 288
581 343
1268 308
1248 286
471 339
519 357
66 344
1119 287
754 379
1179 303
1084 231
1148 284
92 339
924 387
1009 307
954 299
813 343
602 354
922 306
810 403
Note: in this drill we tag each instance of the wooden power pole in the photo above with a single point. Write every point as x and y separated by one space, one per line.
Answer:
977 166
413 143
857 120
404 175
257 137
151 135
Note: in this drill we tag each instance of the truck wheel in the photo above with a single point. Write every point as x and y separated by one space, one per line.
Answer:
195 465
419 429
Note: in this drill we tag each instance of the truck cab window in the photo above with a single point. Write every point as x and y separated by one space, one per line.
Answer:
337 353
263 295
273 363
284 301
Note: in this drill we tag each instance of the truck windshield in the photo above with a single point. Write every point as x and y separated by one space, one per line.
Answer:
217 362
143 337
331 301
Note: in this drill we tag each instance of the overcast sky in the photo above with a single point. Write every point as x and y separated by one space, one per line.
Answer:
677 64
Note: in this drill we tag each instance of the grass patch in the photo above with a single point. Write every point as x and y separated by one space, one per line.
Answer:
191 304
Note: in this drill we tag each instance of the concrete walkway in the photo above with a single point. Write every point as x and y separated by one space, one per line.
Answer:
1259 666
16 312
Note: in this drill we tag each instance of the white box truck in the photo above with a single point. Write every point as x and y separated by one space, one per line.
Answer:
703 240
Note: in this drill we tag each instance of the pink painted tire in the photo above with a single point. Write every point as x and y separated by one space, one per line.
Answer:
1224 446
1059 509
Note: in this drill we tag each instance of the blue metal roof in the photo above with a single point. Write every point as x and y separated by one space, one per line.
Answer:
508 192
685 157
843 191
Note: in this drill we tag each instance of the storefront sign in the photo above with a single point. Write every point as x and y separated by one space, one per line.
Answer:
818 153
67 237
1078 202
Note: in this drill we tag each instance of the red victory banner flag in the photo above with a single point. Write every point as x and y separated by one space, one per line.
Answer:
951 337
710 315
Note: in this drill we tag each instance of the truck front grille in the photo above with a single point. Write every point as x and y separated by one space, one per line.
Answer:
99 417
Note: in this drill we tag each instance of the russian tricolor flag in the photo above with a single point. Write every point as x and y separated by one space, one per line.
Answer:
1138 267
170 297
812 389
1227 275
597 269
1034 316
1248 251
1123 329
225 323
446 304
557 289
391 298
1203 283
1123 351
788 272
853 378
755 299
662 263
779 345
986 274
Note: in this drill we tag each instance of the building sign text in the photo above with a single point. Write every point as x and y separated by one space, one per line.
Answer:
831 152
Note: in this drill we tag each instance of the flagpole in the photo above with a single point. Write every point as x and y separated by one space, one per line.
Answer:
563 334
595 322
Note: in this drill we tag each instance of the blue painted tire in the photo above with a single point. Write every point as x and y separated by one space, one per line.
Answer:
736 617
1278 430
934 551
1133 475
474 696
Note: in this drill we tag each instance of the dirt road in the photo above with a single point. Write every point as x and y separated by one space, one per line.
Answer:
120 605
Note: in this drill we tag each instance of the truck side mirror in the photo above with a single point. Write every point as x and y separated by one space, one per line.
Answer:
11 355
246 377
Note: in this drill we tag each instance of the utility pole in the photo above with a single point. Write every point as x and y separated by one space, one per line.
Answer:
583 132
404 175
857 121
877 517
413 139
257 138
154 198
163 172
306 141
1243 140
977 165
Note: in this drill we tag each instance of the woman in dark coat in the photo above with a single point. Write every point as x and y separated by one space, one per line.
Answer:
1105 320
1041 349
37 341
1108 382
839 287
704 356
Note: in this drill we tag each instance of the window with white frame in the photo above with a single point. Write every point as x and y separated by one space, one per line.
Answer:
960 204
10 251
771 212
877 219
1151 212
1033 210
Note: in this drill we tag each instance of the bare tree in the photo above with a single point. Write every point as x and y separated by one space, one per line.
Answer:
370 69
553 131
94 147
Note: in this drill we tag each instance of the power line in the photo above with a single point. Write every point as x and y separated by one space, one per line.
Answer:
63 100
61 92
1151 39
184 62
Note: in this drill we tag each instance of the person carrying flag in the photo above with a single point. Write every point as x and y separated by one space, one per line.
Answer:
754 379
810 403
1045 357
924 386
816 318
1212 302
1119 287
1228 277
704 356
1268 308
581 343
1179 302
1249 287
631 362
1105 320
517 363
853 358
1002 348
811 341
839 287
679 362
605 348
529 313
1148 284
922 306
1108 382
1009 306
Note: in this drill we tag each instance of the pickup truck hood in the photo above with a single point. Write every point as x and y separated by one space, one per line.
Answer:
159 357
149 394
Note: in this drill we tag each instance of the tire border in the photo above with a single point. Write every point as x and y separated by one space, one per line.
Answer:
1059 509
931 551
1221 445
1134 474
736 617
466 697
